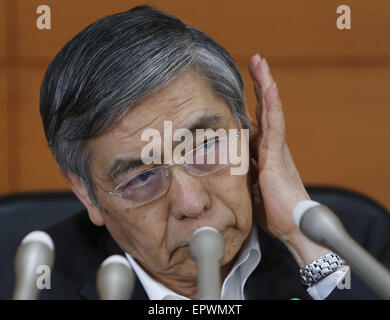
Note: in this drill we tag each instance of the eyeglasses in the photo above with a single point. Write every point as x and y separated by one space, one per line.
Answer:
151 184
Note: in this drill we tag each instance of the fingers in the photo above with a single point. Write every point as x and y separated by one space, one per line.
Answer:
263 80
254 70
266 79
261 75
269 110
255 60
276 127
253 63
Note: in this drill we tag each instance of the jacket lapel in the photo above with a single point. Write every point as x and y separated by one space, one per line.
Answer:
107 247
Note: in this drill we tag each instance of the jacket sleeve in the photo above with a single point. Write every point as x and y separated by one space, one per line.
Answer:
6 278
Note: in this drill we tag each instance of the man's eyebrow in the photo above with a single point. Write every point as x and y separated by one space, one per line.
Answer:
206 121
123 165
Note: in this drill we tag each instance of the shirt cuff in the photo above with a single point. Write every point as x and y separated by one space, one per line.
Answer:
324 287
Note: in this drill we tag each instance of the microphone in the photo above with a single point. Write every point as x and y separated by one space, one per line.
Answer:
207 249
36 249
115 279
322 226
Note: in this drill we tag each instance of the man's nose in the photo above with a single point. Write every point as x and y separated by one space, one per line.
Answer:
188 197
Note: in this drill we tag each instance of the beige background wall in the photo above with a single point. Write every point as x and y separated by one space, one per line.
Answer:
334 84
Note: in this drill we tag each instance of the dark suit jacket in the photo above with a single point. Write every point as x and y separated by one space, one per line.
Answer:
81 247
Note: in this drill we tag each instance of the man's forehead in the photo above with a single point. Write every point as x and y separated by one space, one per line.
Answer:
170 99
184 99
182 102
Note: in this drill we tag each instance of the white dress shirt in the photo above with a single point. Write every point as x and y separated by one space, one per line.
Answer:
233 285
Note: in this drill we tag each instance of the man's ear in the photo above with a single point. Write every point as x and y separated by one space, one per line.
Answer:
81 192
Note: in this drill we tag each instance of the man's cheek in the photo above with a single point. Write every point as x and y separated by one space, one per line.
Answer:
237 188
243 204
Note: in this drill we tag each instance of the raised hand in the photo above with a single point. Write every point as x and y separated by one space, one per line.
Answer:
280 186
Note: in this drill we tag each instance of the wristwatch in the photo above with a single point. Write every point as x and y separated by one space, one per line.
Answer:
320 268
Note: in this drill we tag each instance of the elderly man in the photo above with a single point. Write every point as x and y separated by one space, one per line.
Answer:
133 71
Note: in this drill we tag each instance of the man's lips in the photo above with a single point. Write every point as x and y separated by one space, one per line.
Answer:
185 243
182 245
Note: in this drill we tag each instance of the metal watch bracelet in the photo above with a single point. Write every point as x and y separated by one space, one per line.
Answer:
320 268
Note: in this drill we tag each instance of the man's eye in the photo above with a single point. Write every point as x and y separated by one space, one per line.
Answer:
140 180
207 143
210 144
144 176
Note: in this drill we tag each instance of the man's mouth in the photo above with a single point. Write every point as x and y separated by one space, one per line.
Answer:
184 245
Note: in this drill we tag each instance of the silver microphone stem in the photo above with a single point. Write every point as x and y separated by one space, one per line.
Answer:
207 248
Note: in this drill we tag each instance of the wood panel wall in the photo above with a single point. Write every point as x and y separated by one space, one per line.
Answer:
334 84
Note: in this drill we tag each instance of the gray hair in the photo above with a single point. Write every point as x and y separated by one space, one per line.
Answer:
116 62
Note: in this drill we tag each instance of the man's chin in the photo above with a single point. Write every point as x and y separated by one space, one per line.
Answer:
182 265
188 266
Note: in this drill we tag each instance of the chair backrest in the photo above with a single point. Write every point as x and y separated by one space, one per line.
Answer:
25 212
345 200
352 204
22 213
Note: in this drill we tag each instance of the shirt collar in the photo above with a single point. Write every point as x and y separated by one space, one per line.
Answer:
233 285
154 289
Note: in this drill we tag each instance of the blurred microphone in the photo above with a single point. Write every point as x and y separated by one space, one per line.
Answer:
322 226
115 279
36 249
207 248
